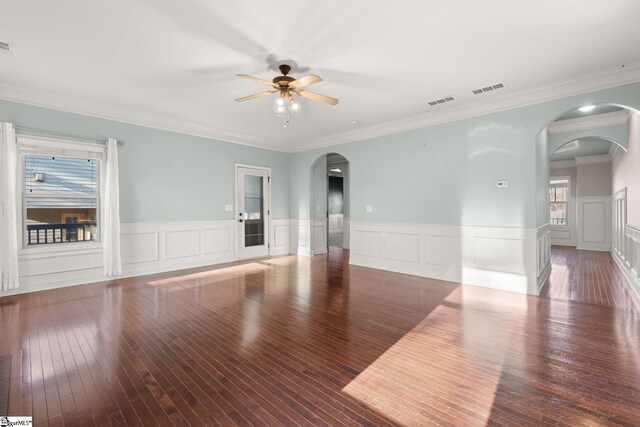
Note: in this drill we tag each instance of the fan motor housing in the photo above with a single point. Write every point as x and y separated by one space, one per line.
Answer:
283 80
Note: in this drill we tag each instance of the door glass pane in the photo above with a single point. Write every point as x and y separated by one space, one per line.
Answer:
253 207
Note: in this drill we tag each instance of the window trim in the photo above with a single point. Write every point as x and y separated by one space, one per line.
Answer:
36 145
569 199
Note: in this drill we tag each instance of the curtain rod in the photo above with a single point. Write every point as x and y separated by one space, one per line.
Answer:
79 138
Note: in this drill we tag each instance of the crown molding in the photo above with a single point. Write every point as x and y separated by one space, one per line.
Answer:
560 164
24 95
582 84
595 121
601 80
593 160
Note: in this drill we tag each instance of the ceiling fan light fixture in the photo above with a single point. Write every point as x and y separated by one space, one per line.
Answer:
285 105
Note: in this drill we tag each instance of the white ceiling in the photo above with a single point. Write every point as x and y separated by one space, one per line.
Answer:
174 62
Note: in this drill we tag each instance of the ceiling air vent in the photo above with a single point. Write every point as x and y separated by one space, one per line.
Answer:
5 47
441 101
488 88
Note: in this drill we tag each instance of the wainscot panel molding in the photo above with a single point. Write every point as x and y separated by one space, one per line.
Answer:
319 236
594 223
280 237
543 251
150 247
300 235
627 256
511 259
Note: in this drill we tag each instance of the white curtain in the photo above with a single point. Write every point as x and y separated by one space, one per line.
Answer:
111 213
8 208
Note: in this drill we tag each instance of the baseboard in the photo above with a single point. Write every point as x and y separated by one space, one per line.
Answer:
594 247
504 258
95 275
632 278
564 243
464 275
542 279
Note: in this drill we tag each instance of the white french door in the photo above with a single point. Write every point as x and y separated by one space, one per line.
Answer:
252 211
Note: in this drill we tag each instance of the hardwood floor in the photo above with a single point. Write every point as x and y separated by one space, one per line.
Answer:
299 341
588 276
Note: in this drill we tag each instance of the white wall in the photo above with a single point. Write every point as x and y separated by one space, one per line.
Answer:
594 206
626 171
626 206
594 180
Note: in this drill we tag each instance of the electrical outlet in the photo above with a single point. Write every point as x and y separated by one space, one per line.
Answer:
228 208
369 208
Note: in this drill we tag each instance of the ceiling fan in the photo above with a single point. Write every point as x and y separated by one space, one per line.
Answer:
285 105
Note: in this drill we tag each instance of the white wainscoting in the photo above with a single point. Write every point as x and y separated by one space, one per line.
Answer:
512 259
336 230
632 265
280 237
625 247
346 233
594 223
619 222
319 236
300 237
146 248
544 238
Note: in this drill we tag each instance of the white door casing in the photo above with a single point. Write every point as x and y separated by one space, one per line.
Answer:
253 204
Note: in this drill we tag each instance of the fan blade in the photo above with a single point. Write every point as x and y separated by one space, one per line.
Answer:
255 79
317 97
305 81
257 95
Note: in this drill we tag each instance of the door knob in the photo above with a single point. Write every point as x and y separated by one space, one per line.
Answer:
240 220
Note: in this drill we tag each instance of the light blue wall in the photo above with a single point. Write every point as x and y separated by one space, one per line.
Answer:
319 188
542 178
446 174
165 176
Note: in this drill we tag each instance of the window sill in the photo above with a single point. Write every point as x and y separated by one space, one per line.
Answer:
61 249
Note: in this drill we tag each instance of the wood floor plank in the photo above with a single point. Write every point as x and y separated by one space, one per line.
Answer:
317 342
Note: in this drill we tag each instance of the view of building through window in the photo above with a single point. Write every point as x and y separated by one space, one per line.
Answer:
559 195
61 197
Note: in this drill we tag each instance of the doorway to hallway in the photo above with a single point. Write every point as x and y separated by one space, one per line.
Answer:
330 210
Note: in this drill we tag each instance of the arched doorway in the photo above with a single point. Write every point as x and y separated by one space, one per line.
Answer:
330 203
589 182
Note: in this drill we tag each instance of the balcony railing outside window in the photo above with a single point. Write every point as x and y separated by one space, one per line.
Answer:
40 234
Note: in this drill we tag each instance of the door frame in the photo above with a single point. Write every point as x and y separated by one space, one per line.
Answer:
235 207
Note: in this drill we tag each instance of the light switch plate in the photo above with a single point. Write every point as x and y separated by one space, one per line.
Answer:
369 208
228 208
502 184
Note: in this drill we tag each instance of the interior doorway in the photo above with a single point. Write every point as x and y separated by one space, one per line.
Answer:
330 210
337 168
253 200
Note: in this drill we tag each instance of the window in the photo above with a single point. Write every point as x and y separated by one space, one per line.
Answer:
61 194
559 197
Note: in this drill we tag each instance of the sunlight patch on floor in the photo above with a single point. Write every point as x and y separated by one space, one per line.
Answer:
188 281
415 380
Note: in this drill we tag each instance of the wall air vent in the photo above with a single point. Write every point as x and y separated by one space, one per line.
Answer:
488 88
5 47
441 101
